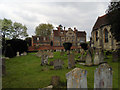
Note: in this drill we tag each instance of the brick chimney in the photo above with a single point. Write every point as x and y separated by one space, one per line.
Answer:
75 30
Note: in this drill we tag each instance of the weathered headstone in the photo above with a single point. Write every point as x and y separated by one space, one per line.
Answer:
18 54
58 64
101 55
24 53
88 60
50 54
96 58
115 56
77 78
55 81
71 61
103 76
44 59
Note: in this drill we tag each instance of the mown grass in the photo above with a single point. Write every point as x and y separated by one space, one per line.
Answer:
26 72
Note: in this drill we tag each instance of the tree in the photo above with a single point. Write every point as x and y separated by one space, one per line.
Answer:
44 29
113 13
29 41
67 45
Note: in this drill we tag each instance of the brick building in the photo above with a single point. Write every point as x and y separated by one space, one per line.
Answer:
60 36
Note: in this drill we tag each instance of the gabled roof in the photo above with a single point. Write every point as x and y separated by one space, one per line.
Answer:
101 21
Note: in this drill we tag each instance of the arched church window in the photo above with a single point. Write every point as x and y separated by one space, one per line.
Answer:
106 36
96 35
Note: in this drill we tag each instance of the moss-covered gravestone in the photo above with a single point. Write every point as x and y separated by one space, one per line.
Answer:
103 76
77 78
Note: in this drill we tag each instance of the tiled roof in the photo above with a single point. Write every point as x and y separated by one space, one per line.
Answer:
101 21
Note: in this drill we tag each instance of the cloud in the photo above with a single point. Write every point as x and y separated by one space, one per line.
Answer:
81 15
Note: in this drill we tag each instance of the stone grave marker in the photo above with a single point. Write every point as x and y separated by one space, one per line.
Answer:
71 61
44 59
39 53
88 60
24 53
50 54
101 55
55 80
103 76
18 54
115 56
96 58
58 64
77 78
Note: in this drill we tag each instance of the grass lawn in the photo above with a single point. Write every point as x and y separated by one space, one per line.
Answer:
26 72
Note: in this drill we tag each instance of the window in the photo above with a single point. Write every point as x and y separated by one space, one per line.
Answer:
96 35
106 36
44 38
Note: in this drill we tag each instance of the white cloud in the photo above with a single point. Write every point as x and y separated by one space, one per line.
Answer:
81 14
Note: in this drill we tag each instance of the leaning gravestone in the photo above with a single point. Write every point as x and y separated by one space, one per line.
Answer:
71 61
88 60
58 64
44 59
96 58
103 76
18 54
77 78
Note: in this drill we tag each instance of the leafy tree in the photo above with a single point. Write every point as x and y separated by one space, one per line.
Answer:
113 13
44 29
84 46
29 41
19 31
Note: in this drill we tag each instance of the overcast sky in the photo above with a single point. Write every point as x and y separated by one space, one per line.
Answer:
79 14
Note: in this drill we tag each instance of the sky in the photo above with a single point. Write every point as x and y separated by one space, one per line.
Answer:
81 14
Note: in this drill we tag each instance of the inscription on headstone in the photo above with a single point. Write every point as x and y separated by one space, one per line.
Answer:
77 78
103 76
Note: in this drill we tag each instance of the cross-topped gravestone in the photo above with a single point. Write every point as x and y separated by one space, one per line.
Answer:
44 59
88 60
58 64
103 76
77 78
71 61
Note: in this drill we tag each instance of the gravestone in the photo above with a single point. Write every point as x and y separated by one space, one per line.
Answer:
44 59
51 63
39 53
55 80
115 56
82 58
50 54
18 54
103 76
71 61
88 60
101 55
77 78
58 64
96 58
25 53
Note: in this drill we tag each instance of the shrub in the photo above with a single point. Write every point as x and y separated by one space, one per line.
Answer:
84 46
9 52
67 45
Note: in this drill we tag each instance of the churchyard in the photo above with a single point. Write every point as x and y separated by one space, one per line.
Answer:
38 71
